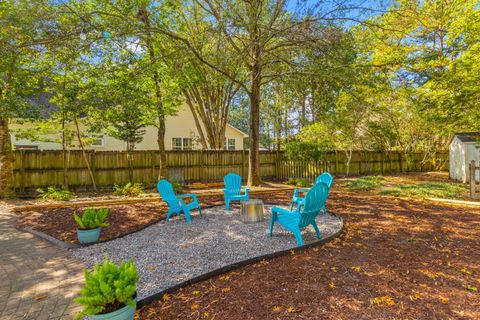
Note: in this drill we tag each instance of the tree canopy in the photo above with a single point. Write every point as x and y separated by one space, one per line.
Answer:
302 76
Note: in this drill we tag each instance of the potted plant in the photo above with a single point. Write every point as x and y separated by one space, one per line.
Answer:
109 292
90 223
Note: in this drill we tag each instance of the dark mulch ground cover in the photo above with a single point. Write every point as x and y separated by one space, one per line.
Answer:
399 259
123 219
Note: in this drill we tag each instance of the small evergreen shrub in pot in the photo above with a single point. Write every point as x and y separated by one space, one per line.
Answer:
109 292
90 223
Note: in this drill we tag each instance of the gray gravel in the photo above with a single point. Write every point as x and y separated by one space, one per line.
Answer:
168 253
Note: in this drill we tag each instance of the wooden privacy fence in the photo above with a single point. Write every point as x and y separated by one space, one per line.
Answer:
361 163
34 169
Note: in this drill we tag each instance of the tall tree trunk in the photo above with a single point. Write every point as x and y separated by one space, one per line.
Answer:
162 172
6 161
130 148
143 15
279 139
203 141
65 156
84 153
348 153
64 137
303 116
254 132
278 130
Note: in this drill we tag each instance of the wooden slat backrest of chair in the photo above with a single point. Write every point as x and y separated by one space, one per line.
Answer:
326 178
233 183
314 202
165 189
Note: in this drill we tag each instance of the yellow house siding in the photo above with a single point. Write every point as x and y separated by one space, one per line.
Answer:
181 125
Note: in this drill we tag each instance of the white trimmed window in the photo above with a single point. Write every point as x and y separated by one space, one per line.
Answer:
229 144
98 141
176 143
187 144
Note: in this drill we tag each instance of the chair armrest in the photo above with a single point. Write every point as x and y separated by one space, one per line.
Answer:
281 211
188 195
246 189
298 190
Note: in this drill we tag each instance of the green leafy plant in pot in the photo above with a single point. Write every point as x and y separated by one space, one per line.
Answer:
109 292
90 223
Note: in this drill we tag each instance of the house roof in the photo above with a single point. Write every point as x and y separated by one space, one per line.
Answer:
468 136
236 129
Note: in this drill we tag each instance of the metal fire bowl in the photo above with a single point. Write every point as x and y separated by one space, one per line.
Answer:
251 211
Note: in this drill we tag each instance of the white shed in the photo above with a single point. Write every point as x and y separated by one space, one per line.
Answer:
464 147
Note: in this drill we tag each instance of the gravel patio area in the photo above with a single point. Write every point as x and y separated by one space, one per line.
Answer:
168 253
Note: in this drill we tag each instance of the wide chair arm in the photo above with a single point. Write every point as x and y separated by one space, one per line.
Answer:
285 215
298 190
188 195
246 189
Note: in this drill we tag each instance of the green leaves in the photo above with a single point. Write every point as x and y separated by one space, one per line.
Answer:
304 150
107 284
53 193
128 190
91 218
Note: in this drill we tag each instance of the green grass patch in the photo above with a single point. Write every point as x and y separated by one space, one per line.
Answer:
366 183
427 190
298 183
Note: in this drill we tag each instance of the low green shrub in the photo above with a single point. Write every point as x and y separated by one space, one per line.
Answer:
177 188
91 218
303 183
366 183
291 182
54 193
106 286
128 190
307 150
427 190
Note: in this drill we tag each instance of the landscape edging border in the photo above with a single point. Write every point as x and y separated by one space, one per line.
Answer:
157 296
68 245
49 238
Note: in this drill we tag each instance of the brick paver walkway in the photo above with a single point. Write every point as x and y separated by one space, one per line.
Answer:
37 280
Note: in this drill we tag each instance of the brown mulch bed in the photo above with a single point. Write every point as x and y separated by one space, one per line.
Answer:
123 219
399 259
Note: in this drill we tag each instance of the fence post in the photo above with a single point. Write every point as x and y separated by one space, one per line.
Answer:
471 172
400 162
383 162
201 163
93 166
152 167
361 158
22 171
336 162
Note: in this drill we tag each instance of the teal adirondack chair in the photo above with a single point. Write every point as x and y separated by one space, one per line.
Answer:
294 221
175 202
233 189
296 199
